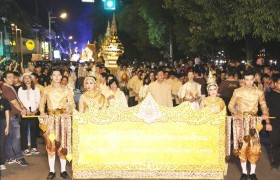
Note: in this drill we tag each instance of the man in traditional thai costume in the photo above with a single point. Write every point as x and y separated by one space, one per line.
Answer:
161 91
56 122
191 91
243 106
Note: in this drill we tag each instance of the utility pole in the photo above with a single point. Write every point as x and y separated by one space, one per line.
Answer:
50 43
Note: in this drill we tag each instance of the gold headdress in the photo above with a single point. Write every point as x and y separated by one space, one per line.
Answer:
211 80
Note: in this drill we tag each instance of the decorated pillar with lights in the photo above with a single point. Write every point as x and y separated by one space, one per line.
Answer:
112 47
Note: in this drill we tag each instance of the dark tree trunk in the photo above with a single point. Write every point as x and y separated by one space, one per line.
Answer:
251 45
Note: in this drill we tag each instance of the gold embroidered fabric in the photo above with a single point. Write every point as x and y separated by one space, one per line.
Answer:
247 100
149 141
215 103
57 98
59 130
94 100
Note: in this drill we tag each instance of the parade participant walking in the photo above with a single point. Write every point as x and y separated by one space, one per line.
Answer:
273 99
116 95
215 103
92 98
191 91
60 103
245 102
161 91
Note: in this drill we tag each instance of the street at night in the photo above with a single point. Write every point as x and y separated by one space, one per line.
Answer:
139 89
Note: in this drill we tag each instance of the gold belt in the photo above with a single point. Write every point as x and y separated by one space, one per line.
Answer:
248 113
56 112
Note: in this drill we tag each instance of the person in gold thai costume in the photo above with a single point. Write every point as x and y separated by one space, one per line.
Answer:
215 103
243 104
191 91
56 123
92 98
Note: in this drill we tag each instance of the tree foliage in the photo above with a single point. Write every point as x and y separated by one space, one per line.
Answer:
216 20
147 24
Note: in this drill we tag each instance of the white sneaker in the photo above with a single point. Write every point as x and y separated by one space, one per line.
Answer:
34 151
2 167
26 152
11 161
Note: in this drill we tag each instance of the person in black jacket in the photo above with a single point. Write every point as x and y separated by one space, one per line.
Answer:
273 99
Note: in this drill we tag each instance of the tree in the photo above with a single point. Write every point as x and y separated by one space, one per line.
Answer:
147 25
254 21
20 18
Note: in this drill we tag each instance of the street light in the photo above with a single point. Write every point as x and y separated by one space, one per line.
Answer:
50 18
75 42
20 40
70 37
63 15
14 27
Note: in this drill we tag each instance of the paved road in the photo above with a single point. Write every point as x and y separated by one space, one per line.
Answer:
38 169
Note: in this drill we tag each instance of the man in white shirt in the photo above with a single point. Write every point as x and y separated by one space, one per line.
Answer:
161 91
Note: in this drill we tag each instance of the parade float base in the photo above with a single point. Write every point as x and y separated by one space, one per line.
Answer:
149 141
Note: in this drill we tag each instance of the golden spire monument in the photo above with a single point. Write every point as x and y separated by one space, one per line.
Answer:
112 47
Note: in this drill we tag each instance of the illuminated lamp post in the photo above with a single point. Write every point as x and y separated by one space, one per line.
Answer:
50 18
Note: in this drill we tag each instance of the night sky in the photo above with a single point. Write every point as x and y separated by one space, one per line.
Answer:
77 23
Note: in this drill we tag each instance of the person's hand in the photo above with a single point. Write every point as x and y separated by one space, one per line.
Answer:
28 113
265 116
192 100
111 97
268 127
24 112
6 131
43 115
34 112
236 115
66 115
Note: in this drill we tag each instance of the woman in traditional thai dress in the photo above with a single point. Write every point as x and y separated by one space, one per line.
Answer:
215 103
116 95
191 91
92 98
